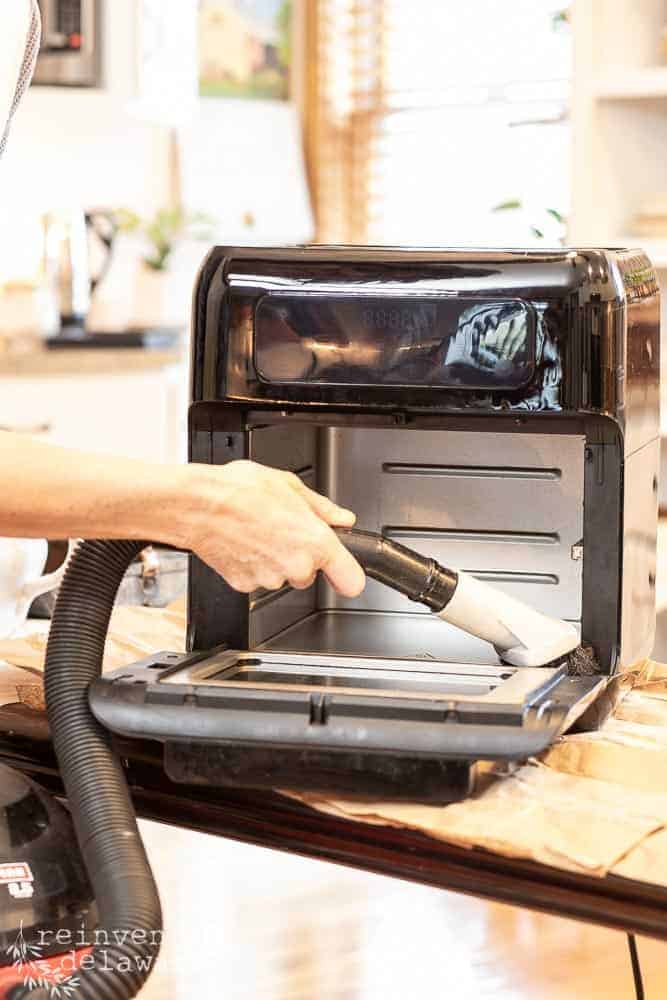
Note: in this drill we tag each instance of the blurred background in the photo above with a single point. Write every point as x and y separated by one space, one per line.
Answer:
156 128
169 125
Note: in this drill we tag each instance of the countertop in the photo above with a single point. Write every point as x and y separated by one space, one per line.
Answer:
35 360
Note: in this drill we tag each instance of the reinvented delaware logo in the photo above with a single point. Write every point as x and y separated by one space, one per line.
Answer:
55 976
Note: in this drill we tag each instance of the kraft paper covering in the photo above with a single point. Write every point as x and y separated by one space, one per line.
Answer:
134 632
595 803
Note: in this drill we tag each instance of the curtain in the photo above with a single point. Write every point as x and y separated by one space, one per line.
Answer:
436 121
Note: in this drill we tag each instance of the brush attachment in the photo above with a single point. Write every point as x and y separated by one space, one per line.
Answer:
582 662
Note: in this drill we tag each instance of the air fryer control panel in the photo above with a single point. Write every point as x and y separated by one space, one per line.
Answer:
394 340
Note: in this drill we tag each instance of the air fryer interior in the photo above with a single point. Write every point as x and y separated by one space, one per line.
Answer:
505 507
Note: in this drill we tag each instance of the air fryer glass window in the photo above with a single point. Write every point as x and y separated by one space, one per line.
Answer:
357 340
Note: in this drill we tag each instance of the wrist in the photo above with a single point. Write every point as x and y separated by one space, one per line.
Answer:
182 506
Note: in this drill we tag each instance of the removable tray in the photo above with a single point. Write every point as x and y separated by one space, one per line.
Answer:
344 724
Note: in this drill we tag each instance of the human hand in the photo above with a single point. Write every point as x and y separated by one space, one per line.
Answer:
259 527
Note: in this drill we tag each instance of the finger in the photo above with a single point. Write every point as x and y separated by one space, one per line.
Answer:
302 582
329 511
271 581
300 571
342 570
241 582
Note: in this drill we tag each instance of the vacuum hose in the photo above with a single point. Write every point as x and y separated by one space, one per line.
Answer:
130 929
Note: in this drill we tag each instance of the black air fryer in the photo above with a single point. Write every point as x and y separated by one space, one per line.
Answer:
495 411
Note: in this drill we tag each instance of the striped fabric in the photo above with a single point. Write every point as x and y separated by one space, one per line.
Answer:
27 68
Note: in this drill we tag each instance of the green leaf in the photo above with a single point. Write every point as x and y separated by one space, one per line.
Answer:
158 262
537 232
555 214
508 206
126 220
163 231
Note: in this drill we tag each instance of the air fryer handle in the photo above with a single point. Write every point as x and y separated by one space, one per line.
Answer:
105 227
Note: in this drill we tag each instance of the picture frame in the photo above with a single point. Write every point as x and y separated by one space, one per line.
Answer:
246 49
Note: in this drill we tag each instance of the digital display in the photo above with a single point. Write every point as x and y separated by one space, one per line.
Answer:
445 342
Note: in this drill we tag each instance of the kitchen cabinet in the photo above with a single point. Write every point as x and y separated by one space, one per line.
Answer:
140 414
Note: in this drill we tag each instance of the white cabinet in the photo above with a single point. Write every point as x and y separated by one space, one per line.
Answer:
137 414
619 132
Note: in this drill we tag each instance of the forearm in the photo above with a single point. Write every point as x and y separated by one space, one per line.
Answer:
256 526
57 493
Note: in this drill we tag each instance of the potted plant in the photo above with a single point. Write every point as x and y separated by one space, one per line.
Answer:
551 224
161 235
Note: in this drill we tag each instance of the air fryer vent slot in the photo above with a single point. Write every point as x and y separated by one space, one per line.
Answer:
468 471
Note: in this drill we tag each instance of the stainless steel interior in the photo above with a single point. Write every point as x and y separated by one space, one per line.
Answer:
505 507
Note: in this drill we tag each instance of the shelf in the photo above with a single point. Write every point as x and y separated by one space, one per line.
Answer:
632 85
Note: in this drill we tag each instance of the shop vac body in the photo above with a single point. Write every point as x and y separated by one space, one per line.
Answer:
47 914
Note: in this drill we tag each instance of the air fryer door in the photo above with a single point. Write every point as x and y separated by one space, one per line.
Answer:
349 725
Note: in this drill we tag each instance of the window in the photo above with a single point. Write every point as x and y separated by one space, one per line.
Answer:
426 116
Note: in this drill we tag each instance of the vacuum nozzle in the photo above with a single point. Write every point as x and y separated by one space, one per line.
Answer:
521 636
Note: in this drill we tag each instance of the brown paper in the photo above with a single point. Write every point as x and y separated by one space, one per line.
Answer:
647 862
643 708
627 753
578 824
134 632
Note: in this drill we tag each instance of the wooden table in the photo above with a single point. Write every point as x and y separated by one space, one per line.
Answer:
274 821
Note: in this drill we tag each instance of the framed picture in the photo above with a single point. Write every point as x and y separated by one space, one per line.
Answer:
245 48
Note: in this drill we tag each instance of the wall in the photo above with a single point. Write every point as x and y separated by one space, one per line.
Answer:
80 147
241 160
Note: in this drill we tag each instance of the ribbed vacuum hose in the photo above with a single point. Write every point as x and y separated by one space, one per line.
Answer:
128 942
